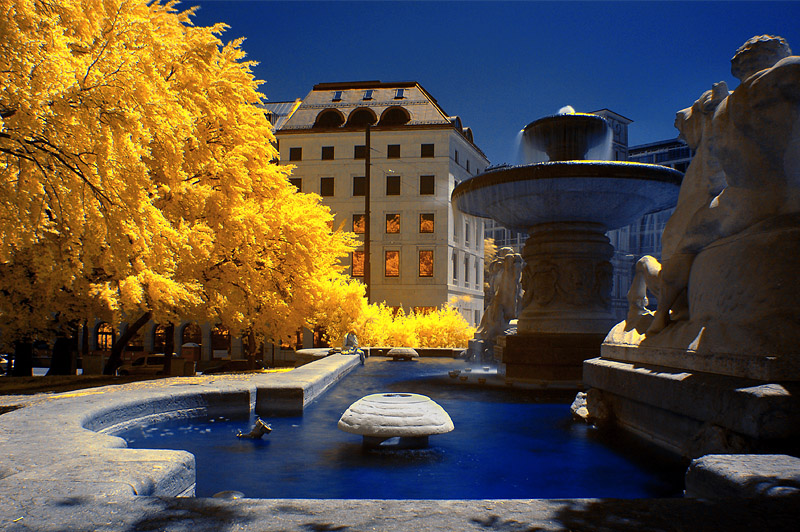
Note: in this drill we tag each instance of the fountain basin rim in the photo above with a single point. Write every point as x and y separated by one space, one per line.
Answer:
570 169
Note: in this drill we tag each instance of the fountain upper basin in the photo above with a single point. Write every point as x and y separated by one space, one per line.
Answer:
611 193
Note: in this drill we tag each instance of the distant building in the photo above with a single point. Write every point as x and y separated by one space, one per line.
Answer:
644 236
423 253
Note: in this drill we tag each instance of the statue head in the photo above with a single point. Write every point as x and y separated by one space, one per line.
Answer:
758 53
692 121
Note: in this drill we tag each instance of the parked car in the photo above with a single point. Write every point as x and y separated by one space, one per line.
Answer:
147 365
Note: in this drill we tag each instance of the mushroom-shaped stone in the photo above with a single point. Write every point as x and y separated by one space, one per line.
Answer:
410 417
402 353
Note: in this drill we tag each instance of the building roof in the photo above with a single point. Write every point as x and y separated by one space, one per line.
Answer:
279 112
352 105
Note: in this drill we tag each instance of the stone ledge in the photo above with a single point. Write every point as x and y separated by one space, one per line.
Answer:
746 475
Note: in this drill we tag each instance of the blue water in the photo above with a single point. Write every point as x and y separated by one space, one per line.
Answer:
507 443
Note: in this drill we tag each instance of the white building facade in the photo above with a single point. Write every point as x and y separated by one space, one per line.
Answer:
423 253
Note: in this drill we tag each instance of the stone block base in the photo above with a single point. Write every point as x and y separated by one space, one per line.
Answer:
743 475
547 358
692 413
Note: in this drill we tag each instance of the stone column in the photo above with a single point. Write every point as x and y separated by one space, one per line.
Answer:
567 279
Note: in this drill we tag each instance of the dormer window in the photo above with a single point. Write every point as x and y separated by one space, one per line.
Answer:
399 94
368 94
337 96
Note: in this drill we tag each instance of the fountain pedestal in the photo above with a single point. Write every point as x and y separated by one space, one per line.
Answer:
566 206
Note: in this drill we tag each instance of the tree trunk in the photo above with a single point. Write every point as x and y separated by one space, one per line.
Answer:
61 361
23 359
169 347
115 360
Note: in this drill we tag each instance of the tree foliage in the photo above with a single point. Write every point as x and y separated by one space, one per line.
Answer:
345 309
138 176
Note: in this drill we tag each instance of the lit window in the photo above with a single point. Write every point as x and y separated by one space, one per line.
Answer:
327 153
357 269
427 184
297 182
368 94
426 223
392 223
392 185
295 154
360 152
426 150
392 264
393 151
326 186
426 263
359 223
105 337
359 185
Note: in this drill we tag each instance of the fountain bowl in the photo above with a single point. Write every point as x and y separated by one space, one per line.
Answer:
610 193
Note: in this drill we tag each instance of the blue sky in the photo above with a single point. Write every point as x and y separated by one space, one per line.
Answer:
500 65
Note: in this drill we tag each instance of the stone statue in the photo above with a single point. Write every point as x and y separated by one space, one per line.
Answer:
504 283
729 255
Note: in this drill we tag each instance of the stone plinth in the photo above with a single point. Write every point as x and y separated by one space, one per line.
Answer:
547 358
408 416
402 353
693 413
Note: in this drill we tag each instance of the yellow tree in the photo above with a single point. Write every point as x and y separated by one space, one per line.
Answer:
138 180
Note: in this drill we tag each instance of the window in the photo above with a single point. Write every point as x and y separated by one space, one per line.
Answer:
337 96
360 152
359 185
368 94
426 184
426 150
297 182
456 157
477 275
426 263
327 153
426 223
105 337
392 264
467 164
393 151
399 94
392 223
466 233
295 154
466 271
359 221
326 186
392 185
455 267
424 310
357 262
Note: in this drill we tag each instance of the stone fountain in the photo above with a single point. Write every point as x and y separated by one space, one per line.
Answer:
566 198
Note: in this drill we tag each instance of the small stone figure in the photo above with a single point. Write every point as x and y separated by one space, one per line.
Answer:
259 429
351 347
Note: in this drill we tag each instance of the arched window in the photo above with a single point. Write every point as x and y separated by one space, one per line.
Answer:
329 118
361 117
394 116
192 334
105 336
